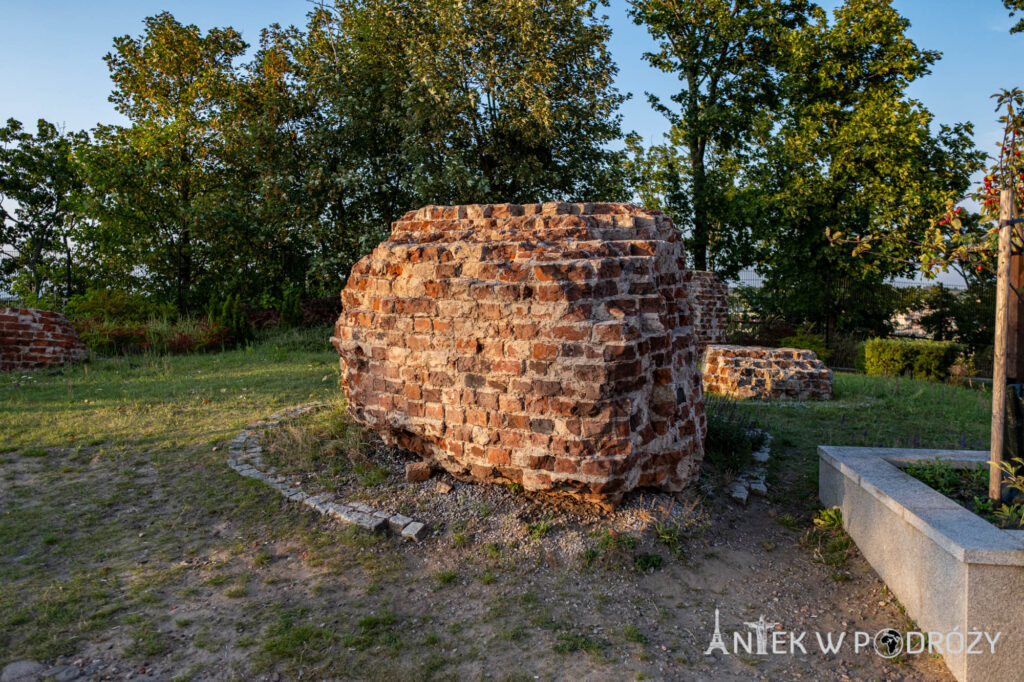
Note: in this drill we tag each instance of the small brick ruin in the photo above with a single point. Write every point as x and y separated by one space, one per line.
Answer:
30 339
758 372
709 307
542 344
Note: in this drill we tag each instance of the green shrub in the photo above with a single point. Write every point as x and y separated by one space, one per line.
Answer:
860 360
291 309
186 335
112 305
921 358
231 315
807 341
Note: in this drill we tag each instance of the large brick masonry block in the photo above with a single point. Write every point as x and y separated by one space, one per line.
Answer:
36 338
542 344
709 307
757 372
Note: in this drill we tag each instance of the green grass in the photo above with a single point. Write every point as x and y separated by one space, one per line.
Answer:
159 402
121 459
870 412
114 472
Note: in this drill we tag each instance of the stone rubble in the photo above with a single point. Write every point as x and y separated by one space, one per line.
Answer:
245 457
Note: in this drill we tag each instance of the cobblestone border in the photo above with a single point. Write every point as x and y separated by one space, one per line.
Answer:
752 480
245 456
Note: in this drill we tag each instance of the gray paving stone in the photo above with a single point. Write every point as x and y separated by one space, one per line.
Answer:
738 491
415 531
397 522
21 670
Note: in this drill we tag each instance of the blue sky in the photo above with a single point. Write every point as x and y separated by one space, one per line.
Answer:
51 58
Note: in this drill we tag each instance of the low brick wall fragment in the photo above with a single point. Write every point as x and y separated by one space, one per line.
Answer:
759 372
543 344
709 306
31 339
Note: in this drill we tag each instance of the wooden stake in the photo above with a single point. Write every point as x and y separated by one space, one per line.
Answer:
1003 294
1015 312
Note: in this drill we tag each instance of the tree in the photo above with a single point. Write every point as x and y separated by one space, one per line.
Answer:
1015 6
381 106
661 179
726 54
38 183
157 185
851 154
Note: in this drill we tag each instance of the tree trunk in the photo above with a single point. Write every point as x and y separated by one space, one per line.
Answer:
67 269
699 238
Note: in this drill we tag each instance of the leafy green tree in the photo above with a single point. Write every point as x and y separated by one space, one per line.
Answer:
158 184
727 55
1015 6
379 106
39 180
851 154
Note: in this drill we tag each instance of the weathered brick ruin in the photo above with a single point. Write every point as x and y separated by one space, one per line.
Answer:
542 344
758 372
709 307
36 338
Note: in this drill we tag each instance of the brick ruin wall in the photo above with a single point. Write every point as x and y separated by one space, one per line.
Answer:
758 372
36 338
543 344
709 307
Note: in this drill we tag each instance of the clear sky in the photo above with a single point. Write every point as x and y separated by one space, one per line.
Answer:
51 58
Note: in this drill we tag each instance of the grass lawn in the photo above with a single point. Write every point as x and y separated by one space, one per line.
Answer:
870 412
124 535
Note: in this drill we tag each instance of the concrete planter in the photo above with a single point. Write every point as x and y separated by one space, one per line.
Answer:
951 570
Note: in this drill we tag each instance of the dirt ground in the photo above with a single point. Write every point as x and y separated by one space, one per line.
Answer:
222 579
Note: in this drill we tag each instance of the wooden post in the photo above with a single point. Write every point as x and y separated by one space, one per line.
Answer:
1015 308
1003 294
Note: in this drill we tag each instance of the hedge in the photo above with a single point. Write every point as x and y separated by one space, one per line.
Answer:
920 358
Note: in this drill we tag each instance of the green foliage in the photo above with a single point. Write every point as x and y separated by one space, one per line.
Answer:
158 186
156 335
39 220
231 315
830 166
961 485
860 362
539 529
1013 478
291 309
1010 515
731 438
287 638
804 339
446 577
963 315
829 519
957 484
114 305
1015 6
645 562
727 57
921 358
827 540
570 642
